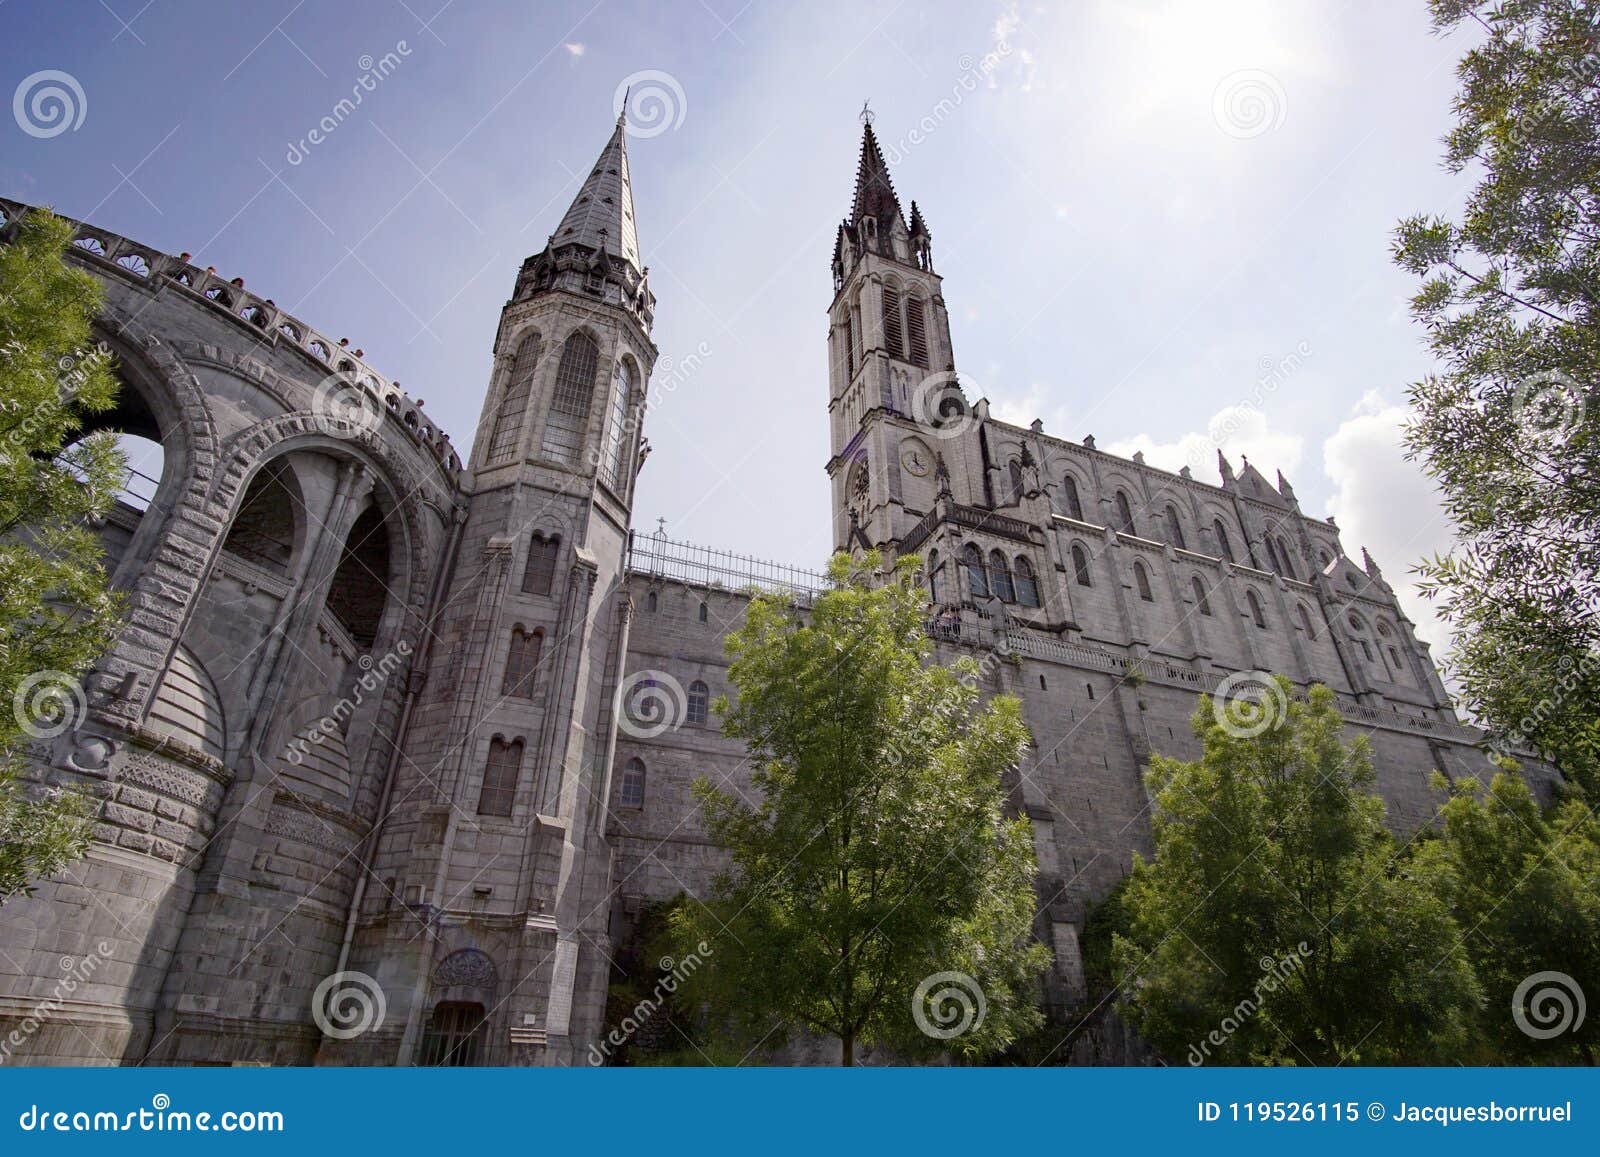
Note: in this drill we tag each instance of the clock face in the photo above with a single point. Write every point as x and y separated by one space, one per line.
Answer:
915 460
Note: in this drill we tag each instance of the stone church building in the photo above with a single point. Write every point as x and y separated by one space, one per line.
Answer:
393 750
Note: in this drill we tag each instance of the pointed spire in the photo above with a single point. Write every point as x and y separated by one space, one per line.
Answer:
875 195
601 216
1224 467
1370 567
919 227
1284 488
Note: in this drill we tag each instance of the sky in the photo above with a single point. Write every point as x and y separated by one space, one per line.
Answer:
1163 224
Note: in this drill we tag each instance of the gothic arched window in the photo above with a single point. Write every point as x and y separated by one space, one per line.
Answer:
1027 586
1000 578
514 405
568 419
1305 621
630 792
891 321
699 699
500 774
1257 615
611 462
917 330
1069 498
1287 559
539 577
1223 544
1175 528
1124 513
705 613
522 660
1141 579
977 576
1014 479
1360 629
1200 599
1080 566
652 602
933 576
855 335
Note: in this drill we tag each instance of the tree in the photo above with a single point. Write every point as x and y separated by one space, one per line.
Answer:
56 614
1275 924
878 893
1521 885
1510 426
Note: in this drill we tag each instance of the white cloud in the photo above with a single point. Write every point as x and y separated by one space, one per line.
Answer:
575 48
1006 51
1038 401
1241 431
1386 504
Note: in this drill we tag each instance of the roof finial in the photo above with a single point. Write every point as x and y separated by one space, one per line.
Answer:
622 114
867 115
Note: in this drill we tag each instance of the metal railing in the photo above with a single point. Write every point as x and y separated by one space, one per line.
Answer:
660 557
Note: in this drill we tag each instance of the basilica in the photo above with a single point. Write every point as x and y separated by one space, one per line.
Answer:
394 750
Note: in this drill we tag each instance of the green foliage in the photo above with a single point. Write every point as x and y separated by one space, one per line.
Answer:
877 853
1510 425
1522 887
56 614
1274 925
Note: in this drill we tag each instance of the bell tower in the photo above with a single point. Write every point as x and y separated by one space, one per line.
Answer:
890 366
494 851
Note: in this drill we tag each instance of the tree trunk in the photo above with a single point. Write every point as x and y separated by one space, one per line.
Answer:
847 1049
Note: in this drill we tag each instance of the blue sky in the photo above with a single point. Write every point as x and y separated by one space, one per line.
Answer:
1141 213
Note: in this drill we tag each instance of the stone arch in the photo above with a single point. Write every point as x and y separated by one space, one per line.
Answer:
1073 486
394 491
373 634
165 564
573 427
253 448
524 356
268 530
